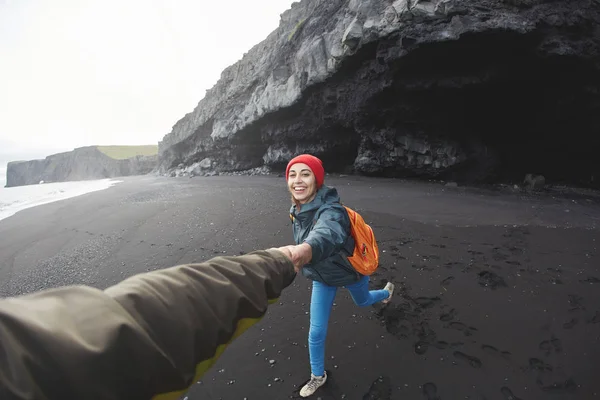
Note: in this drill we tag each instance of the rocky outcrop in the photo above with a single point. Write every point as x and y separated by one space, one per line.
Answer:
469 90
80 164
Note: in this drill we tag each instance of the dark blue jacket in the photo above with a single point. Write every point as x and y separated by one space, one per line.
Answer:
324 225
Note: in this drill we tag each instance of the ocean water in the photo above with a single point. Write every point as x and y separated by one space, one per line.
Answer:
15 199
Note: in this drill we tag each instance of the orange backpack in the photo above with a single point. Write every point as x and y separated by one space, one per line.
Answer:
365 258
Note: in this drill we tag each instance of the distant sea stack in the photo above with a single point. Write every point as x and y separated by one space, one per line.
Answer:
469 91
84 163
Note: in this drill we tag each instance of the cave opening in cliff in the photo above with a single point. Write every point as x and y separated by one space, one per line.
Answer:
339 148
336 145
512 105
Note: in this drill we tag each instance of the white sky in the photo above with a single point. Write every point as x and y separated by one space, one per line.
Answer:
85 72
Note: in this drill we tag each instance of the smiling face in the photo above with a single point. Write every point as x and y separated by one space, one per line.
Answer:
302 183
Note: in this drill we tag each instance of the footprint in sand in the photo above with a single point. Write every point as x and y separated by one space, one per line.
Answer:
381 389
576 302
547 378
553 344
475 253
557 344
571 323
515 250
430 391
538 365
590 279
395 322
472 361
499 257
442 345
508 394
491 279
467 330
595 319
449 316
421 347
495 352
447 281
452 264
568 386
426 302
422 267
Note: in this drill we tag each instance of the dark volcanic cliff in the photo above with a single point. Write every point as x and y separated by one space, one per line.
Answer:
471 90
80 164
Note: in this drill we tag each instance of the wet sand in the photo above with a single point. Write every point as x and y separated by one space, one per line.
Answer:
498 293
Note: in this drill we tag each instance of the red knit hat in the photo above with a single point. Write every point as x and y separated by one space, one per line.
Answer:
313 163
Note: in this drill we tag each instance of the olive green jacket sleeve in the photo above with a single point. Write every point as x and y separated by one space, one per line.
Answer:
148 337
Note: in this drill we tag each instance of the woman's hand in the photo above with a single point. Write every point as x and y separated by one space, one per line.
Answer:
300 254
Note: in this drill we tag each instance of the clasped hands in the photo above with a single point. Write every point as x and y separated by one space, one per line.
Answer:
300 254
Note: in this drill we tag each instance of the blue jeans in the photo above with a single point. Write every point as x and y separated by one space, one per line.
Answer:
320 309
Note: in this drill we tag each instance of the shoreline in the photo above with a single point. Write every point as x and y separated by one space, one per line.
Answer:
19 198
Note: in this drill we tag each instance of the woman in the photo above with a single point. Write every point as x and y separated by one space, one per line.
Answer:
322 234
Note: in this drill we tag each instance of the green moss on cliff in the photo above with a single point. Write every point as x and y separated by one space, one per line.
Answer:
124 152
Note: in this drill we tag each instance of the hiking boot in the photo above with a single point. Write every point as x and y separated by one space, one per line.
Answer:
312 385
390 288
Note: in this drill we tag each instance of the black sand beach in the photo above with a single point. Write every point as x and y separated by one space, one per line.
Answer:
498 293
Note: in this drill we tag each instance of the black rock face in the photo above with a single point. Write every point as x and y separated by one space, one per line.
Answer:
470 91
